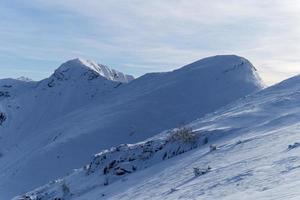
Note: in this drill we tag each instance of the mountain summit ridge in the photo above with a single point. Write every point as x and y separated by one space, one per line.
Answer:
78 67
237 66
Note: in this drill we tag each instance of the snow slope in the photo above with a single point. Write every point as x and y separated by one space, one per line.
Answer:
83 108
257 157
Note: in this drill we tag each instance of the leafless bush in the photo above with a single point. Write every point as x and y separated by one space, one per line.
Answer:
212 147
198 171
184 134
2 118
65 189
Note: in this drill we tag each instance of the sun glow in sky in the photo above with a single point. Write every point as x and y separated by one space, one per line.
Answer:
137 36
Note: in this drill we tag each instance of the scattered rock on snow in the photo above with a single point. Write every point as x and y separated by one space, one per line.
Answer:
293 146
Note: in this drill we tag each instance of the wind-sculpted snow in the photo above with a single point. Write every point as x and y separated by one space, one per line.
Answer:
84 107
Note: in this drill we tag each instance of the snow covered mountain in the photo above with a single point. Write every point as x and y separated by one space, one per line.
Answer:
248 149
52 126
78 68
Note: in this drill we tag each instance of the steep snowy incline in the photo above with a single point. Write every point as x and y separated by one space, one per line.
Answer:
79 114
256 157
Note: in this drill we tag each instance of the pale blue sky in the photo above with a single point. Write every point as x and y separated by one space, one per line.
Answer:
138 36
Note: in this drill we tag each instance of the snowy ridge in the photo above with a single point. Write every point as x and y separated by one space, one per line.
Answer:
77 108
256 157
114 164
221 63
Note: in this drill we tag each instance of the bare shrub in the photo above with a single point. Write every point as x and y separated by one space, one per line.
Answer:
205 141
212 148
65 189
184 134
198 171
293 146
105 181
2 118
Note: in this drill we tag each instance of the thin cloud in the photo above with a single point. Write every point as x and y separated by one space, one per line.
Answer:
166 34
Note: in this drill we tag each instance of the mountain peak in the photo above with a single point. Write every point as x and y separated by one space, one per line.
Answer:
227 65
78 68
221 62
